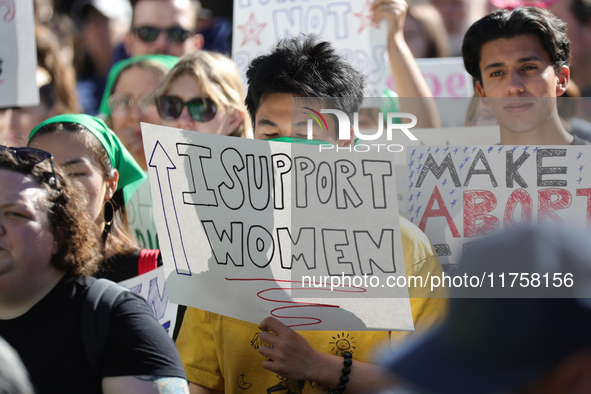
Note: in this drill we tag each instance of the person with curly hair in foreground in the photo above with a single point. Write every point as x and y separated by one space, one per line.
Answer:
48 250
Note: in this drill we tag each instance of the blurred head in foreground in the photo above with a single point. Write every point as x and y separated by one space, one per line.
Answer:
523 344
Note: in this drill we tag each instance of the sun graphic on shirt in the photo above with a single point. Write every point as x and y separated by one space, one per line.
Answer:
342 343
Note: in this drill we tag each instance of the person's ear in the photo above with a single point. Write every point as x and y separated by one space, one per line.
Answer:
562 80
481 93
199 41
112 185
235 117
350 141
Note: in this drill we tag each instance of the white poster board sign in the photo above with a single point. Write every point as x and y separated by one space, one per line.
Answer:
141 218
446 77
18 54
457 194
249 229
152 287
477 135
259 24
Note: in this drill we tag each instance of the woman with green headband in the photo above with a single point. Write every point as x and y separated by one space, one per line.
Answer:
127 99
126 103
90 153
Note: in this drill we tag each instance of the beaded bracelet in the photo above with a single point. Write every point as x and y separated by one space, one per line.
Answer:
347 363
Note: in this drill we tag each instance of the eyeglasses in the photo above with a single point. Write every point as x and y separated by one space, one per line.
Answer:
151 33
121 103
200 109
32 156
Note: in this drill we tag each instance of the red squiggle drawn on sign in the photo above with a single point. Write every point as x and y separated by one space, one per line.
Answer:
10 12
314 320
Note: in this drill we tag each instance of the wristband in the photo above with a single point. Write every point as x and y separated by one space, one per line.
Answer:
347 363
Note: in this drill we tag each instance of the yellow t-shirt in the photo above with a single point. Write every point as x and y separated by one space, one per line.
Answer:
221 353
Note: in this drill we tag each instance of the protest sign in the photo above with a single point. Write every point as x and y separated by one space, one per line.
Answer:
450 84
259 24
457 194
18 54
253 228
152 287
446 77
431 137
140 217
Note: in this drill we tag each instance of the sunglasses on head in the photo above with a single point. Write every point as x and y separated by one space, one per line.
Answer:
151 33
32 156
200 109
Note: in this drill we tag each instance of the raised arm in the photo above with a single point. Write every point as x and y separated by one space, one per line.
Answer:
409 80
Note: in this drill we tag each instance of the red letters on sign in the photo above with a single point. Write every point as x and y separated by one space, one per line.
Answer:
477 211
547 206
519 196
440 211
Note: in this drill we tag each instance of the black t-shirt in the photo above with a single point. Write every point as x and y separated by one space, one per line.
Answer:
125 266
48 338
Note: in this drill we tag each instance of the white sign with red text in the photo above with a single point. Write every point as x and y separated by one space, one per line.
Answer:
457 194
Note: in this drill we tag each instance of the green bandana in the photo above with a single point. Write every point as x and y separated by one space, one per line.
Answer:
164 60
291 140
391 104
131 174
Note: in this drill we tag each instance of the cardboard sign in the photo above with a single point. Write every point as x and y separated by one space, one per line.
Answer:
253 228
141 219
457 194
259 24
18 54
152 287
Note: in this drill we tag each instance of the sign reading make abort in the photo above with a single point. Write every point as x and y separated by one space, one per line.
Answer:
457 194
248 227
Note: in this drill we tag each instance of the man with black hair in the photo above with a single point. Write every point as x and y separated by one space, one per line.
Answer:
221 354
520 60
292 70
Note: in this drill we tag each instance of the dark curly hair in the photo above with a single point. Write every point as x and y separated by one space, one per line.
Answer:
509 24
305 68
79 252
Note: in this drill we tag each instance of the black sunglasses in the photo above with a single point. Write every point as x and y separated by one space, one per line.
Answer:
200 109
151 33
32 156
